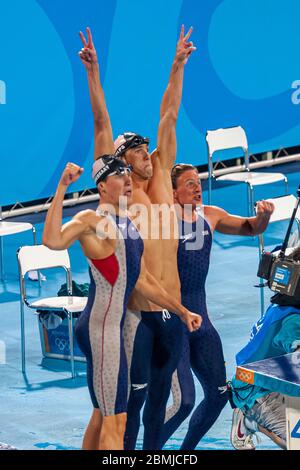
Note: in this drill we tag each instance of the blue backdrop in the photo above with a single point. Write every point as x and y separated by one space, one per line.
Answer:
246 61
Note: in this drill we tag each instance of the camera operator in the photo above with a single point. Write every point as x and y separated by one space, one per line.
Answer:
276 333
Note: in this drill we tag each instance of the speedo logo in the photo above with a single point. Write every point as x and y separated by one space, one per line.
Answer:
189 236
138 386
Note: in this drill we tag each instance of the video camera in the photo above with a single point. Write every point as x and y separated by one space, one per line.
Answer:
281 272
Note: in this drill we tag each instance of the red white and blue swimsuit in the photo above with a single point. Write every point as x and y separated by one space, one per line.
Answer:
99 330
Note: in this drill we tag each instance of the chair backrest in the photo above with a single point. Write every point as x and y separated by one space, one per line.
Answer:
41 257
225 139
284 207
38 257
283 210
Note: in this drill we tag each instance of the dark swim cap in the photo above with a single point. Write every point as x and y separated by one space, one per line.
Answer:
127 141
108 165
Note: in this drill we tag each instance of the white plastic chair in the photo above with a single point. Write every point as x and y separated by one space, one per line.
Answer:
284 207
40 257
231 138
11 228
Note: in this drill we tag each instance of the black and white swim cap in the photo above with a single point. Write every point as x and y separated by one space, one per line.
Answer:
108 165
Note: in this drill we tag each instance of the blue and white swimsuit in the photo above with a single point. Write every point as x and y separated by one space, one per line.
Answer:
202 350
99 330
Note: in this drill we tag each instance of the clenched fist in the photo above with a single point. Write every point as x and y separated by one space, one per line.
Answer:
70 174
192 320
264 209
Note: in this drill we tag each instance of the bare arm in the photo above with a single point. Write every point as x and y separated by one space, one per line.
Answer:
166 141
233 225
152 290
102 126
55 235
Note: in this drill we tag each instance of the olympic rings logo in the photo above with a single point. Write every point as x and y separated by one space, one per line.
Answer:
245 376
62 344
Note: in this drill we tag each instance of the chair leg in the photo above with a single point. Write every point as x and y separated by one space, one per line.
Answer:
251 213
251 201
209 190
286 186
70 323
34 242
248 199
22 336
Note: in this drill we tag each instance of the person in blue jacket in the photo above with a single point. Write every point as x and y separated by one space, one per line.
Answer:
276 333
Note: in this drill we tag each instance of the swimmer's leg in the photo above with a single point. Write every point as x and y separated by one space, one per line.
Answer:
139 379
92 434
207 361
183 393
167 351
112 432
106 432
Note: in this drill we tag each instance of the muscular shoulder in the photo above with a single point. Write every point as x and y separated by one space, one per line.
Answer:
92 220
105 230
85 216
89 219
214 214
